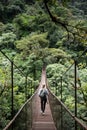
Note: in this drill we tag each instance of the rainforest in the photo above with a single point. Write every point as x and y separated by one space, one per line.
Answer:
37 33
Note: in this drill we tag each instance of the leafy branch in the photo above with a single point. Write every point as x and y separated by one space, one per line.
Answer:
75 30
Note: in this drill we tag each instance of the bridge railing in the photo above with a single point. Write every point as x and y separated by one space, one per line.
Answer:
63 118
73 88
5 91
23 119
15 89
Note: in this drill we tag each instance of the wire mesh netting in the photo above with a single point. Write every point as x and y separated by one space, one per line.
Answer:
63 118
5 91
23 119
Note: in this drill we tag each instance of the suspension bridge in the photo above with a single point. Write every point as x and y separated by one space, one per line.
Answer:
29 116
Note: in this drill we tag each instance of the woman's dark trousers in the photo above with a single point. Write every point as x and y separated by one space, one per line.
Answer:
43 103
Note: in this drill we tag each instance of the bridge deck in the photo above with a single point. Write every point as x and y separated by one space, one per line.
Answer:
42 122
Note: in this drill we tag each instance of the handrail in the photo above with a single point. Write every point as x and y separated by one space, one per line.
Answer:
74 77
14 118
13 66
73 116
62 104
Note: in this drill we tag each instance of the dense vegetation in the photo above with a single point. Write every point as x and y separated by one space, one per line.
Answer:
34 33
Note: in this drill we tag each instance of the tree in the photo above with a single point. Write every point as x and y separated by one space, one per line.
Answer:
73 30
34 43
7 40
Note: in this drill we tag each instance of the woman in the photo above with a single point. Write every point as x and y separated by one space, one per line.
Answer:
43 94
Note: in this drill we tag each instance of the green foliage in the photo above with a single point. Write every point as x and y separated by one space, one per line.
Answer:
53 70
9 28
15 7
32 43
54 55
81 5
10 8
1 27
62 12
22 24
69 101
64 2
31 39
1 10
7 40
23 21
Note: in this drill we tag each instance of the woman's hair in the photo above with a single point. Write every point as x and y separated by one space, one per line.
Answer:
43 85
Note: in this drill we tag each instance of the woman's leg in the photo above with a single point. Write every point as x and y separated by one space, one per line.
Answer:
44 104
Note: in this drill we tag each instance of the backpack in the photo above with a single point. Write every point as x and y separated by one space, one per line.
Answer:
42 93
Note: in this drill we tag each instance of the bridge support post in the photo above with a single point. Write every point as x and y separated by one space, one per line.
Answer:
61 88
25 88
75 62
61 107
12 88
55 86
12 92
31 87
